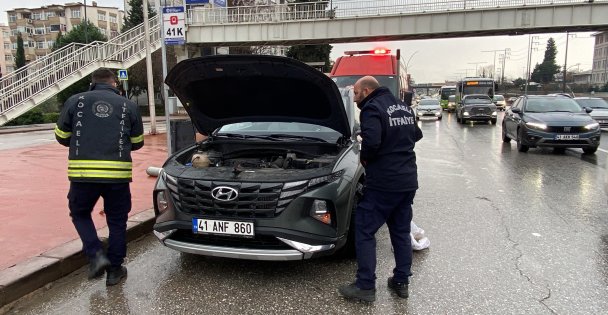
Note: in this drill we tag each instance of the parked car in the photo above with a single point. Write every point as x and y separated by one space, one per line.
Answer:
476 107
550 121
500 102
429 107
278 177
599 106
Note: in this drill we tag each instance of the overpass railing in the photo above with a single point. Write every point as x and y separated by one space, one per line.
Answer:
64 64
353 8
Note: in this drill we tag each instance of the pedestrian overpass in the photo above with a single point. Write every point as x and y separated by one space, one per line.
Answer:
336 21
343 21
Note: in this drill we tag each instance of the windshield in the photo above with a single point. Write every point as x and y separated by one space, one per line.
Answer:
284 128
429 106
446 92
477 100
593 103
557 104
499 98
428 102
389 81
452 98
487 90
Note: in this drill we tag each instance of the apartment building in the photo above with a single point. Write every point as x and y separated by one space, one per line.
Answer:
39 27
7 63
599 72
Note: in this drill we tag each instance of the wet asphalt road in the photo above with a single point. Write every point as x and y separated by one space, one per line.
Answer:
511 233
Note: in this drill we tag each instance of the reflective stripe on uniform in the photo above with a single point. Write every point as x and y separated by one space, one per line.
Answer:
99 174
137 139
62 134
84 164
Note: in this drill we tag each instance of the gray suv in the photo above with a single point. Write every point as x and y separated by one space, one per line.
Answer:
476 107
278 177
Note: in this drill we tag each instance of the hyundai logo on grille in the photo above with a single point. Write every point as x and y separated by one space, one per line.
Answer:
566 129
224 193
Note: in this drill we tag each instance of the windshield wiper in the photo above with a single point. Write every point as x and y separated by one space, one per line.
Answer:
242 136
288 136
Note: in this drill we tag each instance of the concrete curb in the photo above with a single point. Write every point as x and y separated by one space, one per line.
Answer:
27 276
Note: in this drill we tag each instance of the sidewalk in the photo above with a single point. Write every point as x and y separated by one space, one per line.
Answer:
39 243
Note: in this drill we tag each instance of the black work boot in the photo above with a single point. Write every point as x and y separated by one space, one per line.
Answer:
401 288
98 265
351 291
115 274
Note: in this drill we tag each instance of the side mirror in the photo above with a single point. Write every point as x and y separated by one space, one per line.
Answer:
588 110
516 110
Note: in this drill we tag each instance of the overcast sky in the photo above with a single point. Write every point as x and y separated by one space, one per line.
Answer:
432 60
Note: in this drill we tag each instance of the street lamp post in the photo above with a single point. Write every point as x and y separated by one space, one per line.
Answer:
86 25
407 64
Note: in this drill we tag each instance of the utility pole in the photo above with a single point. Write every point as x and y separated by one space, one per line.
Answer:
566 62
476 63
494 60
86 25
150 88
165 87
530 43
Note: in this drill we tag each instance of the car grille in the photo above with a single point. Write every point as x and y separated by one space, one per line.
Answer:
254 200
603 121
480 110
257 242
566 129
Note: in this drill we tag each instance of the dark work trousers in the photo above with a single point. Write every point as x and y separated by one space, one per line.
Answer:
376 208
116 204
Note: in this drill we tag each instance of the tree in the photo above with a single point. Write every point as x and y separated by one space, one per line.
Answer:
519 82
20 54
77 35
545 72
135 16
311 53
138 81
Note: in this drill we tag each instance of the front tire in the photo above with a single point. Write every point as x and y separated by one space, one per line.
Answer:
505 138
520 146
493 121
590 150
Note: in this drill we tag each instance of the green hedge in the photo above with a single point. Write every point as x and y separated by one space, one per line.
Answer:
50 117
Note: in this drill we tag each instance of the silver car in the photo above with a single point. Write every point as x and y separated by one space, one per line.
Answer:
429 107
599 106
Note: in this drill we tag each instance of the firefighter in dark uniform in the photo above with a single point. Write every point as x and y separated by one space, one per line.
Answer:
101 128
389 133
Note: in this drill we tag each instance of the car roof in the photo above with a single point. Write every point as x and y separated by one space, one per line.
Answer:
588 98
475 96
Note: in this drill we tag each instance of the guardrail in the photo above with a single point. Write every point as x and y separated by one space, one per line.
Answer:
352 8
22 85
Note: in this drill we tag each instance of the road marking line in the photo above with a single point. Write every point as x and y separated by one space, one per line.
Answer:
605 151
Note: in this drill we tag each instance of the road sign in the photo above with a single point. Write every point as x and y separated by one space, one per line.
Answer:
123 75
174 25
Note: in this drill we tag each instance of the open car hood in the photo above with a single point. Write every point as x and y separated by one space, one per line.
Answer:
225 89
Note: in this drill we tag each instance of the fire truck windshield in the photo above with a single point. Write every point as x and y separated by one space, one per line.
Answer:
389 81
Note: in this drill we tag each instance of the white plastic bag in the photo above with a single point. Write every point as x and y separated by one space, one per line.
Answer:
419 241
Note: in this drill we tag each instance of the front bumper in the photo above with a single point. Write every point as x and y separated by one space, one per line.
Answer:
538 138
264 247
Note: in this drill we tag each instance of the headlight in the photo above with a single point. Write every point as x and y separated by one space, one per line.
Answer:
437 113
536 125
592 126
465 113
325 179
420 113
494 113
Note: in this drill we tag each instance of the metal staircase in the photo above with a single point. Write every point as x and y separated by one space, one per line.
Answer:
38 81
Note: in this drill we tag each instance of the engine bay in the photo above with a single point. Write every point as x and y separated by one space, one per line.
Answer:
253 159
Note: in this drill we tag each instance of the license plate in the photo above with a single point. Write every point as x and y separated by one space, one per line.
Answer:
566 137
206 226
